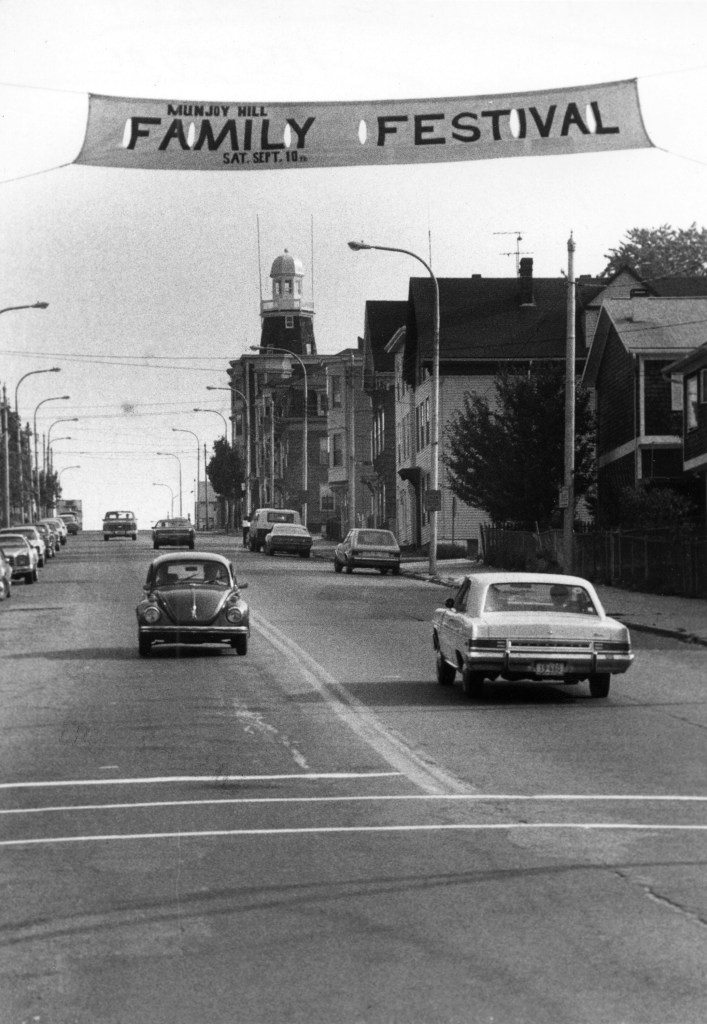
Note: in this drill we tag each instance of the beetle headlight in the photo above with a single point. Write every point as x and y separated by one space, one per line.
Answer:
234 614
151 615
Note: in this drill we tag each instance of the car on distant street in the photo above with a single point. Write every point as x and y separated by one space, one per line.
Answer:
192 599
518 626
71 522
60 526
119 523
5 577
21 555
263 520
174 532
288 539
368 549
54 531
32 534
51 540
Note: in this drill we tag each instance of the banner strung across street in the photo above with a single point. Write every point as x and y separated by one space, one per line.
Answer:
198 136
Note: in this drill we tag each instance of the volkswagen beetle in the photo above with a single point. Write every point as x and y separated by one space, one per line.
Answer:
192 599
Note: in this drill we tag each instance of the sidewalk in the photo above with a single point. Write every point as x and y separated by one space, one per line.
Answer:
682 617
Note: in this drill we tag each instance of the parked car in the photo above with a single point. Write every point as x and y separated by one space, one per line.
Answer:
51 540
192 599
368 549
531 626
179 532
290 539
71 522
60 527
5 577
263 520
54 531
21 556
32 534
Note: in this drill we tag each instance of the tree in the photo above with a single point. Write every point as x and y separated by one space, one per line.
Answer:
507 457
661 252
225 472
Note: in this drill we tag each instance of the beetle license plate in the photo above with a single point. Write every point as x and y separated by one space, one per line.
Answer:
550 668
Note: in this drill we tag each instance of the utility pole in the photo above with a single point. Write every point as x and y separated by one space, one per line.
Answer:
568 522
6 457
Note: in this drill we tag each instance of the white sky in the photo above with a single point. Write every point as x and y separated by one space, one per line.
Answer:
165 264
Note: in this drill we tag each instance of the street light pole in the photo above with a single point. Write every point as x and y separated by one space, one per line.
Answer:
182 430
173 456
170 491
305 417
20 473
57 398
217 413
70 419
212 387
357 246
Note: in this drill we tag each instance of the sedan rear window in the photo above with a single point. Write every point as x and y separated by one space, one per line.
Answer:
538 597
378 538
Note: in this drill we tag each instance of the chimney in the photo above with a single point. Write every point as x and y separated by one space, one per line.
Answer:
526 282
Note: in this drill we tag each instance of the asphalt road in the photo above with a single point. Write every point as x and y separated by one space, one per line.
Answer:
319 833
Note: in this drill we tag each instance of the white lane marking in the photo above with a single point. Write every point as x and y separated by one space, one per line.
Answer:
166 779
423 773
332 830
370 798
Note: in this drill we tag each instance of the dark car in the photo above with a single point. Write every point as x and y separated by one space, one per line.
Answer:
175 532
290 539
51 540
368 549
192 599
5 577
71 522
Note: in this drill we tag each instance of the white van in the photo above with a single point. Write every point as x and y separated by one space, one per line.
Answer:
263 520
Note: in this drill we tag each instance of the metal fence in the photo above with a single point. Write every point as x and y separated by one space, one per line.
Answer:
656 561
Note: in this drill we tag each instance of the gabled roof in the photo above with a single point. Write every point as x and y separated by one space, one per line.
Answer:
483 320
648 325
382 320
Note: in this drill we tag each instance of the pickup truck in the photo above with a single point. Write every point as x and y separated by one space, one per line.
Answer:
119 524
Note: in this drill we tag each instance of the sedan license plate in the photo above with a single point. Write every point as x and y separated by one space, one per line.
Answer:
550 668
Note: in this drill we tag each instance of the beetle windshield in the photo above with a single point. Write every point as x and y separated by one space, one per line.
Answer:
191 571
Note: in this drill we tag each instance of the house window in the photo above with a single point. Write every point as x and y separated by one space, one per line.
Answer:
703 387
675 393
321 403
427 421
692 399
326 501
323 451
289 321
336 392
337 450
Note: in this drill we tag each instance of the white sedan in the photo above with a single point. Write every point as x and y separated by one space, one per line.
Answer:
534 626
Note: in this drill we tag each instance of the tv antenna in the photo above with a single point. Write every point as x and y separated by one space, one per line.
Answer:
517 251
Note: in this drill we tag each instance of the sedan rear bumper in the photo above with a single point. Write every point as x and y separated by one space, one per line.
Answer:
556 662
